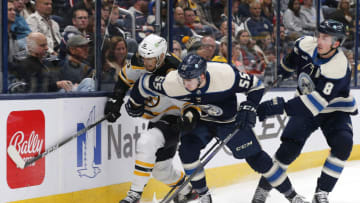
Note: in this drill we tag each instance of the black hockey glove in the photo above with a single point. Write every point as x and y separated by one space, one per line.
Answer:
133 110
112 107
246 117
270 108
189 119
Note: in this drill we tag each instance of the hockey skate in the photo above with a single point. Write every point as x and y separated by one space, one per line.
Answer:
205 198
260 195
181 198
320 197
132 197
298 199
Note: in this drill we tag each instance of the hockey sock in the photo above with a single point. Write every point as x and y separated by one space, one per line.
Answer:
264 184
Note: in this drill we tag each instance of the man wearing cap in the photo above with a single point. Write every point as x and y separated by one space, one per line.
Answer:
76 68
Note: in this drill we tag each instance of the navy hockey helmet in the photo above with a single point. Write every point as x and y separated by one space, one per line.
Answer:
333 28
192 66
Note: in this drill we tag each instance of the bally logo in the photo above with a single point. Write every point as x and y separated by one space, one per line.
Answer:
26 131
89 148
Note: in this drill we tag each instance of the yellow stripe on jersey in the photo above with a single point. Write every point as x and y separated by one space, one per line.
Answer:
144 164
173 184
137 67
153 114
138 173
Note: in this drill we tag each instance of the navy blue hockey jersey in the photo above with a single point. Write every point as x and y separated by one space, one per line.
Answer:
323 84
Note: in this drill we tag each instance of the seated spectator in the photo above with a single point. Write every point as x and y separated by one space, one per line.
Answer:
292 20
179 29
16 46
256 24
80 23
116 59
217 10
204 47
204 14
75 68
223 53
308 15
40 21
235 19
139 10
36 76
224 30
177 50
20 28
114 28
267 10
29 8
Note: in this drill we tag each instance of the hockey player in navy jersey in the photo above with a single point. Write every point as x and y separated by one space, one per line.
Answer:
156 147
208 91
323 101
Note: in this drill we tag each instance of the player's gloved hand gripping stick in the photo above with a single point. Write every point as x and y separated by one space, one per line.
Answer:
21 163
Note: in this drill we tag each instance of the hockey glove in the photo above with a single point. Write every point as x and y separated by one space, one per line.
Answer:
246 117
189 119
271 108
133 110
112 107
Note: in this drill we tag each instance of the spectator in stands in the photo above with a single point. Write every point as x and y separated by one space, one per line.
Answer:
236 20
16 44
244 10
177 50
217 10
114 28
29 8
224 30
139 9
208 47
32 71
284 43
40 21
344 13
267 10
116 59
80 21
308 15
88 5
256 24
105 11
204 13
76 68
292 20
179 29
19 27
223 51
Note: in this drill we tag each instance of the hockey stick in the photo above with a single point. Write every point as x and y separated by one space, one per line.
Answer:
21 163
201 159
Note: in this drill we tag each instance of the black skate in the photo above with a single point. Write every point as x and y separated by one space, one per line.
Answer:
320 197
298 199
260 195
206 198
189 196
132 197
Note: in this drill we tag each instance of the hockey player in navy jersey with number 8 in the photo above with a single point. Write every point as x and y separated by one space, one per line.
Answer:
208 90
323 101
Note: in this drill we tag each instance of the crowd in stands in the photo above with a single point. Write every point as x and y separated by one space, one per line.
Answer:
51 43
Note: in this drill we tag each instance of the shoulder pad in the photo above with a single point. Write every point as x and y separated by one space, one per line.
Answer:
306 44
336 68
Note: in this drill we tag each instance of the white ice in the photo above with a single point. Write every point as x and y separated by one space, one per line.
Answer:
347 190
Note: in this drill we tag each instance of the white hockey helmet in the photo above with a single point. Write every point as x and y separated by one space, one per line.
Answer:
152 46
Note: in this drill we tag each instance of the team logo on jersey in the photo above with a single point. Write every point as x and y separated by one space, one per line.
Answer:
211 110
89 148
152 101
305 84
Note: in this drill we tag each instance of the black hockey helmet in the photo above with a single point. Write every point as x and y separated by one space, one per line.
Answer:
192 66
333 28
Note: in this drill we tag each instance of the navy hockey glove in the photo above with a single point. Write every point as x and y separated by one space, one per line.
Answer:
246 117
133 110
189 119
271 107
112 107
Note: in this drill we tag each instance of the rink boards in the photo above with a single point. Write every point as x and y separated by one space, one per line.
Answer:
97 166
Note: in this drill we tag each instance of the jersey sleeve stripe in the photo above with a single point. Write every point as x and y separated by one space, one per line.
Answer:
144 83
314 102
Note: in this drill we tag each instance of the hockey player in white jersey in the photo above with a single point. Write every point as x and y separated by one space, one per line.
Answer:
211 87
323 101
157 146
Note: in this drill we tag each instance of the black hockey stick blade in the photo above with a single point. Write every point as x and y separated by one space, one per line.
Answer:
21 163
207 159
